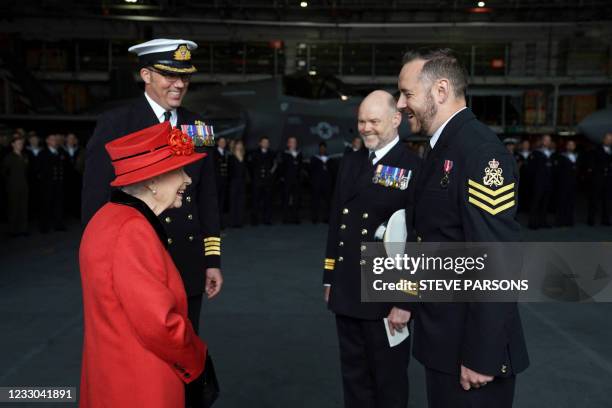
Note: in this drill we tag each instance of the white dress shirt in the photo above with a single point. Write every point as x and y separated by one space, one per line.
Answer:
159 111
438 132
571 156
380 153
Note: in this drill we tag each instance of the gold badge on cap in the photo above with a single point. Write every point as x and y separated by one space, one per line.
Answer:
182 53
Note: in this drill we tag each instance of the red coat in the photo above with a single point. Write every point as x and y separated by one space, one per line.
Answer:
139 346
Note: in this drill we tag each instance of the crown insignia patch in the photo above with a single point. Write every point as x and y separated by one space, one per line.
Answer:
493 175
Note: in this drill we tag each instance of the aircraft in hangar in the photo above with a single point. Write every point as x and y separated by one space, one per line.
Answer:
596 125
313 108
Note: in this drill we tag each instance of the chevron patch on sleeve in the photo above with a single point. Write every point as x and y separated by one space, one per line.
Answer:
490 200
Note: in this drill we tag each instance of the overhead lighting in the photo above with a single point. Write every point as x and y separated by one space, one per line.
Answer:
304 4
481 4
131 1
344 97
312 72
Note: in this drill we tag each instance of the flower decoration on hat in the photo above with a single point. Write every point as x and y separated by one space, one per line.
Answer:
180 143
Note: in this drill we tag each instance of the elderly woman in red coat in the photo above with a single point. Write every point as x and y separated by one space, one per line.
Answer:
139 346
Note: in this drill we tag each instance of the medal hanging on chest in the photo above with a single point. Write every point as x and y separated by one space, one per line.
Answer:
448 166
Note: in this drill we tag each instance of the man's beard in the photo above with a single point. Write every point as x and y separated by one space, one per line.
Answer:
426 118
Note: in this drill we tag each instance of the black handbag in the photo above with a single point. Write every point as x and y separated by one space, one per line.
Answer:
210 384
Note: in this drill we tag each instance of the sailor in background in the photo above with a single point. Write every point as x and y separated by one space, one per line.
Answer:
510 144
541 177
522 156
192 230
321 183
372 184
290 167
356 145
599 171
566 182
51 170
262 165
221 155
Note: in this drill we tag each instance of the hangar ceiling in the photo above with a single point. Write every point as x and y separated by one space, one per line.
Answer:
324 11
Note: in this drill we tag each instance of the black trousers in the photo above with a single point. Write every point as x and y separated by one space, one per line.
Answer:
237 202
374 375
262 203
539 207
445 391
222 190
193 391
320 203
599 198
565 209
52 207
291 202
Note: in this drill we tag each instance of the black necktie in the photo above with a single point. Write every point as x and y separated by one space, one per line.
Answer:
427 150
167 115
371 158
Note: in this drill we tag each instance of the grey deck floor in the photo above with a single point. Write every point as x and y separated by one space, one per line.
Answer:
273 341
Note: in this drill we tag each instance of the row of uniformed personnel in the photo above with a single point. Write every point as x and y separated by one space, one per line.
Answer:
270 172
550 180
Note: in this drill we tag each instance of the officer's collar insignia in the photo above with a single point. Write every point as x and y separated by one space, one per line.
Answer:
182 53
200 133
492 200
448 166
493 175
393 177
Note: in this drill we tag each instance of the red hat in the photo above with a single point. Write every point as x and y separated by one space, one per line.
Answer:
150 152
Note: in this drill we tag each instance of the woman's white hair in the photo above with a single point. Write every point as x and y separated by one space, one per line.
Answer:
136 189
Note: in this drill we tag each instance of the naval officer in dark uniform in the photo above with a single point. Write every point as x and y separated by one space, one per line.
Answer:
373 373
541 176
290 163
599 172
465 192
262 165
193 230
566 184
221 156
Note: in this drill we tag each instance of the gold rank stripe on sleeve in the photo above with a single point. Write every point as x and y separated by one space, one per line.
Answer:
489 200
212 246
330 263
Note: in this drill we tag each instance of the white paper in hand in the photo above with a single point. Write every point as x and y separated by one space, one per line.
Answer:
398 337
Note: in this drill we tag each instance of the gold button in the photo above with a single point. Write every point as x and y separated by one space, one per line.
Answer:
363 248
504 369
340 259
190 237
362 262
169 241
364 231
343 226
345 211
188 198
341 243
365 216
419 239
190 217
168 220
